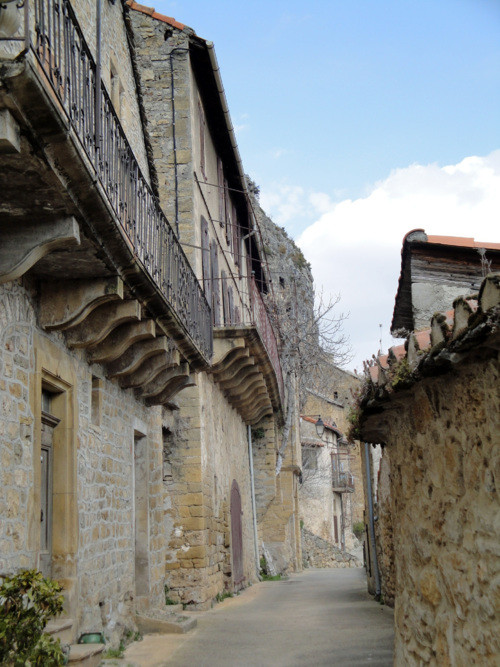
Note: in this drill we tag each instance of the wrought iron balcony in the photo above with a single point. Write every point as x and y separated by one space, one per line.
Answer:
342 482
260 319
53 35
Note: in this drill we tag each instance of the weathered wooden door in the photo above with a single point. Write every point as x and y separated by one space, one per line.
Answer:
236 534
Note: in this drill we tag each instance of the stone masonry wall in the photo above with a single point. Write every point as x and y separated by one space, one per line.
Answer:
444 455
103 562
317 552
209 450
384 530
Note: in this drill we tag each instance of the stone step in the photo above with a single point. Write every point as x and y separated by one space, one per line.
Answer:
62 628
165 623
85 655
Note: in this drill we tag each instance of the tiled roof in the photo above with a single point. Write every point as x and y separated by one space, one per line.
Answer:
462 242
451 334
150 11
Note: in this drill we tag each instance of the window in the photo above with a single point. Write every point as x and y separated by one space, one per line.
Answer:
309 458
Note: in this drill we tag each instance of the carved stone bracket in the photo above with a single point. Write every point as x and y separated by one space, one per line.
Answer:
101 322
121 339
23 245
66 304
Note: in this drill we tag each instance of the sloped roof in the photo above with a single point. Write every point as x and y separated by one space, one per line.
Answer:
328 424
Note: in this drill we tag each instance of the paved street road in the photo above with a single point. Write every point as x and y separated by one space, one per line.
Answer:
318 617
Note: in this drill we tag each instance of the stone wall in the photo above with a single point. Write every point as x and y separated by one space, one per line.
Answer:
94 544
317 552
208 450
444 460
384 536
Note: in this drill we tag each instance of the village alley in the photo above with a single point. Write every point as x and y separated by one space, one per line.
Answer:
318 617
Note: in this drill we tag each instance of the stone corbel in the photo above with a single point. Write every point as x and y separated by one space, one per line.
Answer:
161 390
229 361
65 304
101 322
119 340
136 355
150 369
248 375
251 398
172 389
223 347
259 414
23 245
235 371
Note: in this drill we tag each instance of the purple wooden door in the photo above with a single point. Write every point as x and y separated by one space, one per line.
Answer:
236 534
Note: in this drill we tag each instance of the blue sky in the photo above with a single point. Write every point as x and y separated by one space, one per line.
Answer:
340 105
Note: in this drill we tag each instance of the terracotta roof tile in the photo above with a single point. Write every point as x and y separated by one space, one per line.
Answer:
462 242
150 11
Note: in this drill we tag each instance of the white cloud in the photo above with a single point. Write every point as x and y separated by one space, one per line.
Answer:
354 246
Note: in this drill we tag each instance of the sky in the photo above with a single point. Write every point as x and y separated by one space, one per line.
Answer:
360 121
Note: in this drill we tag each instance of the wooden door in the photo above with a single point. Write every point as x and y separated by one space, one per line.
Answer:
49 423
236 534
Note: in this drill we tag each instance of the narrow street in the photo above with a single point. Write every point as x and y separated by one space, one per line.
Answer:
318 617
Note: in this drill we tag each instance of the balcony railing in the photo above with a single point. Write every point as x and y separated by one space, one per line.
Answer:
342 481
62 52
266 332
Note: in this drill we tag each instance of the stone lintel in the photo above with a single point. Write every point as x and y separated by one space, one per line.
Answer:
121 339
23 245
101 322
68 303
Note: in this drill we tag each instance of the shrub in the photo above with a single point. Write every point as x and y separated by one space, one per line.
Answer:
358 529
27 601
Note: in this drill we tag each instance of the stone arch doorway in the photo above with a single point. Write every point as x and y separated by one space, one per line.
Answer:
236 535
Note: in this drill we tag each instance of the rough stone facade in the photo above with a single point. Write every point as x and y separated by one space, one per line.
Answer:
436 411
131 371
317 552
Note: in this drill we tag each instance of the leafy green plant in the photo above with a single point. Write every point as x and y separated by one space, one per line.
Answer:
358 529
168 600
258 433
222 596
115 652
27 601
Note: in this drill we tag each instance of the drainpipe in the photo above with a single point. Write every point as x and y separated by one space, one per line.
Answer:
371 521
254 509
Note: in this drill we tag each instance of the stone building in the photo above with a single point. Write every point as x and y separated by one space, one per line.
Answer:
136 354
432 404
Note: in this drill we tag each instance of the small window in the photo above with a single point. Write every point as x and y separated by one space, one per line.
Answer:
96 400
282 282
167 436
309 458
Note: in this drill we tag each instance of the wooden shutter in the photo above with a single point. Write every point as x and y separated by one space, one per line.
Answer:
230 298
225 298
227 217
222 192
214 265
205 260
